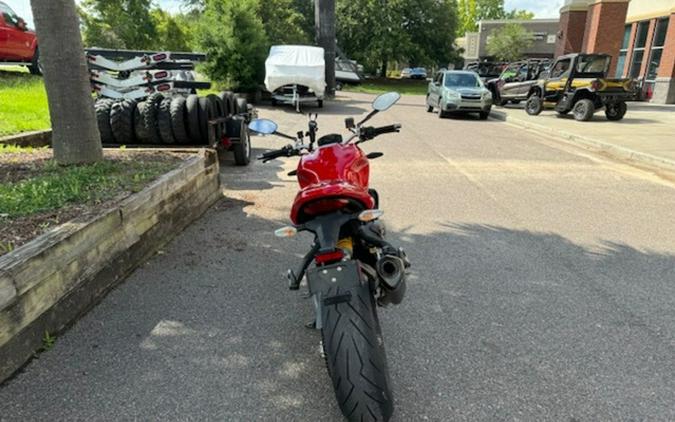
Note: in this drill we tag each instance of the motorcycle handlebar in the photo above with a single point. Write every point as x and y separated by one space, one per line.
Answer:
368 133
271 155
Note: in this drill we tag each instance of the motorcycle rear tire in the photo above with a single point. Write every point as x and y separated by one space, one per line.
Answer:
356 359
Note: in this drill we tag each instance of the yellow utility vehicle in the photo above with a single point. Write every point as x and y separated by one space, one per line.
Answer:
578 83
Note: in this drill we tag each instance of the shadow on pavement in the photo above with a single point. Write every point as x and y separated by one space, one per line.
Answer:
208 330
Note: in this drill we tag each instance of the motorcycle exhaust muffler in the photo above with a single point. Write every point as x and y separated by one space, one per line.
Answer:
391 271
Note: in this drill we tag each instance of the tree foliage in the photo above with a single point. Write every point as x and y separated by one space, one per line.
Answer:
509 42
283 22
375 32
233 36
173 32
470 12
118 24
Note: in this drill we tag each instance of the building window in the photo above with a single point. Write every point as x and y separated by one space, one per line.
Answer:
639 49
621 60
657 49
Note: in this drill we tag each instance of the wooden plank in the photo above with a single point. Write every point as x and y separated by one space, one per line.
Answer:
69 269
7 291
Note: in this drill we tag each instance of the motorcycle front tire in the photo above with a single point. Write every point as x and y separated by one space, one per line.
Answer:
356 359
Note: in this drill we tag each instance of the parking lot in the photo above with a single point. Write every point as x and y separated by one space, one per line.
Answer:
541 289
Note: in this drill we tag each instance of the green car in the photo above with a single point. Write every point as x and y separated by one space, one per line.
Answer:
458 91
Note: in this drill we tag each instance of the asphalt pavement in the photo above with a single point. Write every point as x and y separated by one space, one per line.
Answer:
542 289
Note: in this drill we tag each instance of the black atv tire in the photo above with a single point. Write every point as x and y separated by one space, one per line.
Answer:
241 105
356 359
164 122
616 111
583 110
483 115
227 97
102 108
219 108
141 133
430 109
122 121
242 149
150 117
207 111
178 124
534 105
192 118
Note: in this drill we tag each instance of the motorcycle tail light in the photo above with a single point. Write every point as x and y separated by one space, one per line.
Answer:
325 205
328 257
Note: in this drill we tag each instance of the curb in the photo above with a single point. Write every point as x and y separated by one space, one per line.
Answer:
36 139
589 144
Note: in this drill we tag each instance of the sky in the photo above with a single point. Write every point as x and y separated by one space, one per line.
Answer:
541 8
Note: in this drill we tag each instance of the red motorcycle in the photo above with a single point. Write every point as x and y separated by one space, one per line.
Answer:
355 269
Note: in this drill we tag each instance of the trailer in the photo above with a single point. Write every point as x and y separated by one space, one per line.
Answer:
149 99
296 74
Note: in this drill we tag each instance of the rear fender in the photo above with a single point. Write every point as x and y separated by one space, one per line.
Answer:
333 284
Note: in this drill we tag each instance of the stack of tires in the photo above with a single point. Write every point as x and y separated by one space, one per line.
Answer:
175 120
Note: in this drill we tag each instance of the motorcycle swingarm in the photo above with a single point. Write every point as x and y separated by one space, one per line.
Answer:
334 284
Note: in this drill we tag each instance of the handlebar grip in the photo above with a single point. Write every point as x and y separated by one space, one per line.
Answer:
271 155
387 129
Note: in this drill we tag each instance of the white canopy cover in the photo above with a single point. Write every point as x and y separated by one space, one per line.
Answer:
296 65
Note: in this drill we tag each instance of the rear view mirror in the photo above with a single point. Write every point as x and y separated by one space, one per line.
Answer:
263 126
349 123
386 101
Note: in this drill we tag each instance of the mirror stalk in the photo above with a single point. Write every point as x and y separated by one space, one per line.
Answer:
368 117
283 135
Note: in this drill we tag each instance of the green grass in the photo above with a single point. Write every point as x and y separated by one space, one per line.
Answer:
380 86
58 186
23 102
10 149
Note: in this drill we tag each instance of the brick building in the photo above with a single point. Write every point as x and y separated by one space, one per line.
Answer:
639 34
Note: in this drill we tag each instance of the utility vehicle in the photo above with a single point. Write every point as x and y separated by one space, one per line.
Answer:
578 83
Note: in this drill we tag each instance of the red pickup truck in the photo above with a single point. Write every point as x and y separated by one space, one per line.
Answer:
18 45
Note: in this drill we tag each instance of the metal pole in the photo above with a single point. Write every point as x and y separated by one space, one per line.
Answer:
324 13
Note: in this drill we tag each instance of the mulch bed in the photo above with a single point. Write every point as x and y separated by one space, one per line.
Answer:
15 167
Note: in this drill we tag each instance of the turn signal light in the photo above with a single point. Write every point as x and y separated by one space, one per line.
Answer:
287 231
370 215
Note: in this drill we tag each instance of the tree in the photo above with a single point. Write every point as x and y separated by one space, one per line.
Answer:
284 23
509 42
125 24
523 15
375 32
173 32
75 135
233 36
470 12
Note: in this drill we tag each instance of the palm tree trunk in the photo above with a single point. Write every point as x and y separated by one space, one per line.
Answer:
75 135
